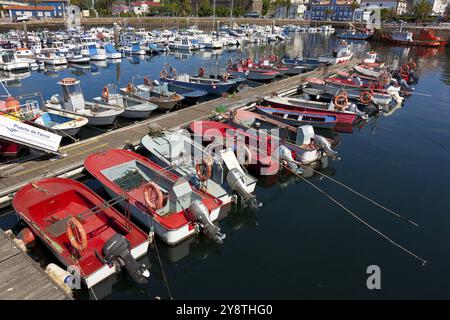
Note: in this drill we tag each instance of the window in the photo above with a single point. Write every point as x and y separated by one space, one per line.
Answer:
47 14
40 14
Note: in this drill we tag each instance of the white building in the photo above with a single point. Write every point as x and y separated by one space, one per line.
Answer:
295 11
400 6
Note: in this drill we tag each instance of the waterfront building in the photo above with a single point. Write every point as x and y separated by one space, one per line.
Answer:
337 10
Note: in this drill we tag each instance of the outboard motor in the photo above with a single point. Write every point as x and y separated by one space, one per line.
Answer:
117 253
324 144
198 212
235 179
286 155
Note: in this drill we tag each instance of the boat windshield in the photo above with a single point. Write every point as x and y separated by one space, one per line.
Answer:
69 91
7 56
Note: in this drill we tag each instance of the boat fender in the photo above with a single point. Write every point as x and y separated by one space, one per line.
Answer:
285 155
130 87
206 163
76 234
321 143
341 101
201 72
199 213
117 253
235 179
225 77
27 236
159 196
105 94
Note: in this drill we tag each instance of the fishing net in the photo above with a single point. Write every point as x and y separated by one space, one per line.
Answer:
130 180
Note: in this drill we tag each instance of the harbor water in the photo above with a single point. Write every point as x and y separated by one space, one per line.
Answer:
299 244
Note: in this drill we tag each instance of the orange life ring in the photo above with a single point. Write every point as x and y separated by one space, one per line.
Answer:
76 234
341 101
198 169
68 81
201 72
404 69
105 93
130 88
412 65
159 196
147 81
365 97
163 74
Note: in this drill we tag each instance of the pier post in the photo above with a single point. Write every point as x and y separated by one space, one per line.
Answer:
24 23
116 36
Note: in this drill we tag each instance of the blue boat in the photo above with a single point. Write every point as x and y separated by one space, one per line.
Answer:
153 48
211 86
111 52
190 94
355 35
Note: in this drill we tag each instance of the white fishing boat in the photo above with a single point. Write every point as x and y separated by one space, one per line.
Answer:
223 176
49 57
9 61
73 101
133 108
341 54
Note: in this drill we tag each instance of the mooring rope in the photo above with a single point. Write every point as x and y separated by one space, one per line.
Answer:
368 199
358 218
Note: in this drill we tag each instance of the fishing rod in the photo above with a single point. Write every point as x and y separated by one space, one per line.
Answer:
357 217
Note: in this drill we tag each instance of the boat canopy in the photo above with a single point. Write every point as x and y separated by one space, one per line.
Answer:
110 49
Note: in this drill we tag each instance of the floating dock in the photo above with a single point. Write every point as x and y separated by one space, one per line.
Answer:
14 176
22 278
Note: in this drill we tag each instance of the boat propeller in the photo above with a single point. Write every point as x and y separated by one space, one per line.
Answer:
198 213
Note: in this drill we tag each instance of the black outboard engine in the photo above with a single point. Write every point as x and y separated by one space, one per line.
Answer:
324 144
117 252
199 213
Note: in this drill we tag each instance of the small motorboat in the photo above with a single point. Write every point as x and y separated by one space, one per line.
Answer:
49 57
211 86
72 101
60 121
95 54
342 53
133 108
223 176
10 62
352 34
82 230
345 115
302 141
247 71
307 63
76 57
153 48
111 52
157 198
133 48
297 118
158 94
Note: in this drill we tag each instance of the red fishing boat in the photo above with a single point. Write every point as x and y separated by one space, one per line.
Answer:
157 198
249 71
426 38
256 148
344 116
81 229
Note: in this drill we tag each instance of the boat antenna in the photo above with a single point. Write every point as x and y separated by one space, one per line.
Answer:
357 217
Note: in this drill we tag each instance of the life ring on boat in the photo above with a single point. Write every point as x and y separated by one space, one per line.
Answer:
159 196
198 168
383 78
201 72
147 81
68 81
404 70
412 65
365 97
130 87
225 76
341 101
76 234
105 93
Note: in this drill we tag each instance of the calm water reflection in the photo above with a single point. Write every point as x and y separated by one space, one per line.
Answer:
299 244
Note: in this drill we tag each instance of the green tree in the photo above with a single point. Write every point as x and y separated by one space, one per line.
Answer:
388 14
327 13
422 9
184 8
204 8
265 7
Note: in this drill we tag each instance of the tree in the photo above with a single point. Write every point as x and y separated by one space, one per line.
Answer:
184 8
355 5
327 13
388 14
422 9
204 9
